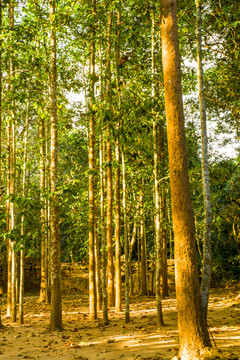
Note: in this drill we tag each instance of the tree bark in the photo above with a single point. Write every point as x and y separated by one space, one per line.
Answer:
56 299
144 288
0 97
42 138
133 240
103 232
193 334
11 296
206 268
0 122
126 242
118 302
111 292
91 160
158 239
22 252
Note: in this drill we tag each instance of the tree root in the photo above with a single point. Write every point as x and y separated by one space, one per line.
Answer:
213 354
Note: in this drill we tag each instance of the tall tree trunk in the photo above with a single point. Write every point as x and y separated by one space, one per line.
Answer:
11 183
126 242
133 240
56 299
22 253
193 334
111 295
0 121
206 270
42 138
91 159
144 288
158 239
47 216
0 97
118 304
98 264
103 232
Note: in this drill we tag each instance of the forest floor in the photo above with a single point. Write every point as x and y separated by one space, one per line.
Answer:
140 339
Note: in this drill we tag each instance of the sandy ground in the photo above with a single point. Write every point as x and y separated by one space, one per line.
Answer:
82 339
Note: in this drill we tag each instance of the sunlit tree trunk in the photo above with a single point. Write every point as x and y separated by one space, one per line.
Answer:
42 139
98 264
91 160
56 298
111 293
22 252
0 122
133 240
193 334
144 288
126 241
0 99
206 270
103 232
118 303
158 238
11 186
47 215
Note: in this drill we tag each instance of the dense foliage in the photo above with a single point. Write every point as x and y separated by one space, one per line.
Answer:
28 44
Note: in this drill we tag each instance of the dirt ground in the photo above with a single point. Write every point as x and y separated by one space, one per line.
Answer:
82 339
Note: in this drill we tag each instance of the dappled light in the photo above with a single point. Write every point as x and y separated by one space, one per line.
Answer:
82 339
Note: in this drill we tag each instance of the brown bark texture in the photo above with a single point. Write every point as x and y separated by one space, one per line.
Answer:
111 290
193 334
144 289
43 285
118 302
56 300
91 161
206 270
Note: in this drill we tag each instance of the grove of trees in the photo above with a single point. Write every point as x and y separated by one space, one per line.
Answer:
112 118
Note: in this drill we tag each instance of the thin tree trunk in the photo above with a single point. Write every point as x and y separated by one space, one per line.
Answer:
193 333
156 188
0 122
47 217
56 299
126 242
98 266
206 270
144 289
91 159
22 252
111 295
118 303
0 98
11 134
103 228
169 220
133 240
42 138
139 259
163 216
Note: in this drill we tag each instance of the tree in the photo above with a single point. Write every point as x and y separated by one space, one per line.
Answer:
11 300
118 302
193 333
206 271
22 252
91 157
158 240
111 292
56 301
